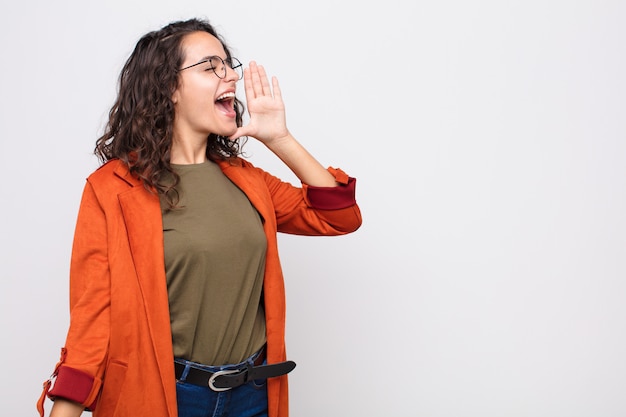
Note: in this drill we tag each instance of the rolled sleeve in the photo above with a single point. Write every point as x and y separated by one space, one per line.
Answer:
74 385
332 198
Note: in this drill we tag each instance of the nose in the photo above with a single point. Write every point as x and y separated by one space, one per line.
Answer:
231 74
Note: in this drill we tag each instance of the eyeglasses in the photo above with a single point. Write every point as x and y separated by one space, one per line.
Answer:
218 65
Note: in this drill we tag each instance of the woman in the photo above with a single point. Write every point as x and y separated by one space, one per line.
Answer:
176 291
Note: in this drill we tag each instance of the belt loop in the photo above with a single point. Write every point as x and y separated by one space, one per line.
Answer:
249 367
185 372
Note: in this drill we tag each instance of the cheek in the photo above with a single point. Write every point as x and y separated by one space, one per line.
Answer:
193 103
196 94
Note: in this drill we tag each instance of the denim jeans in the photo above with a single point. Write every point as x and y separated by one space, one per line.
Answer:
248 400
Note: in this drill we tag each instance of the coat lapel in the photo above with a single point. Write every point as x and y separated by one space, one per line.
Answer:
142 216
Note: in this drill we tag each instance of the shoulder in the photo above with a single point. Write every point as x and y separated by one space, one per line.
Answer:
105 169
113 174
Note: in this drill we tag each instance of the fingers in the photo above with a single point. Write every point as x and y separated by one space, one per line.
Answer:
264 104
256 81
264 81
257 85
276 88
247 82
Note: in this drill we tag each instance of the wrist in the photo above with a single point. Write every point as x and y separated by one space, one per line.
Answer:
280 141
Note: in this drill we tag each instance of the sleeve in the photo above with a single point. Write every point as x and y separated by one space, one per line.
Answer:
316 211
78 375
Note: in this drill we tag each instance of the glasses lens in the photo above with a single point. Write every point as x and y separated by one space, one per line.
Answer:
236 65
218 66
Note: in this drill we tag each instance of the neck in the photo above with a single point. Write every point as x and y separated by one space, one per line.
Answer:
185 152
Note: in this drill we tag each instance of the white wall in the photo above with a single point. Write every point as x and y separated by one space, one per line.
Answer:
488 139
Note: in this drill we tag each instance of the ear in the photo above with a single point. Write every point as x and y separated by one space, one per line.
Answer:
175 96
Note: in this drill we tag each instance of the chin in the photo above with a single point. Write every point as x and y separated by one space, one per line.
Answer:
229 132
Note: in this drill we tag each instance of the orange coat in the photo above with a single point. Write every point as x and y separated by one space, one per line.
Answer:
118 360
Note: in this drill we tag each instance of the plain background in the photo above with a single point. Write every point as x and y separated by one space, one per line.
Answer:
489 143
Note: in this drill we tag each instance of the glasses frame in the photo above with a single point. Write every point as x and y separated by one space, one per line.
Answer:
232 63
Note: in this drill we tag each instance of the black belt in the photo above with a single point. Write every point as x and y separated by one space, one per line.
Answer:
231 378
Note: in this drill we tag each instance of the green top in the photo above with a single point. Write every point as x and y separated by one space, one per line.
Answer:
214 261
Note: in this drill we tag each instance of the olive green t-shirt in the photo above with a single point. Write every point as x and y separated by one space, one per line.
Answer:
214 261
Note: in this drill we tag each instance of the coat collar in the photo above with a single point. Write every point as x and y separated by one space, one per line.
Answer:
122 171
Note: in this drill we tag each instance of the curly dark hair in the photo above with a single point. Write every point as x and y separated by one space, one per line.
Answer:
140 127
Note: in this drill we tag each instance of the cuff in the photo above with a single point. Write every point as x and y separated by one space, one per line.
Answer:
74 385
333 198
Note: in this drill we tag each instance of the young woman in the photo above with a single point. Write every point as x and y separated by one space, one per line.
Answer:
176 291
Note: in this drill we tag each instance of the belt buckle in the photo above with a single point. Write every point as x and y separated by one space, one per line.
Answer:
220 373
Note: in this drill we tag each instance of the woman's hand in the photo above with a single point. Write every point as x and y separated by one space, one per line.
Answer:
268 125
265 106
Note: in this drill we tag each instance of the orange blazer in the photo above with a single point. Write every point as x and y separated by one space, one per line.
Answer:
117 359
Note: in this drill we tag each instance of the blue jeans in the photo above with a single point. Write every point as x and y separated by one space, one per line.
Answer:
248 400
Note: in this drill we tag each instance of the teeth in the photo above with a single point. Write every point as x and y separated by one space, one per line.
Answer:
225 95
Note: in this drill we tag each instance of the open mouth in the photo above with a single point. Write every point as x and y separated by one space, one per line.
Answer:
226 103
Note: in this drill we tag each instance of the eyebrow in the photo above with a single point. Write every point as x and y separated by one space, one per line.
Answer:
204 60
211 56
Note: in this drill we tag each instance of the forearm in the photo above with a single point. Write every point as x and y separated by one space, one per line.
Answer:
65 408
301 162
